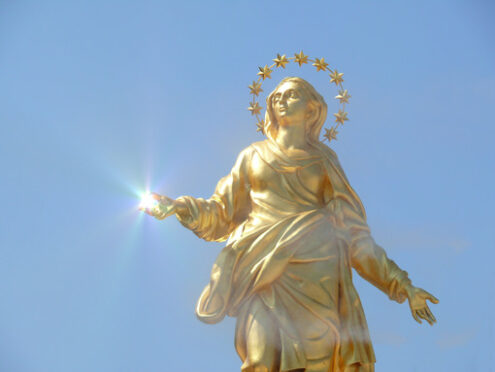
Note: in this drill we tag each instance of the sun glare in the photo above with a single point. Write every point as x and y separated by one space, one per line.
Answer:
147 201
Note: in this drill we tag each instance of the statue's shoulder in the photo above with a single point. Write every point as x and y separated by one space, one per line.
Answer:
246 154
259 147
249 150
259 144
328 152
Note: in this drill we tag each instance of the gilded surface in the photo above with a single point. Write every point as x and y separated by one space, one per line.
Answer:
294 228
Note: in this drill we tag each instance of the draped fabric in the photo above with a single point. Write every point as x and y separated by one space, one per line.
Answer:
295 228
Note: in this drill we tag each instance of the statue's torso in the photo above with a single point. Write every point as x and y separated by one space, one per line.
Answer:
277 192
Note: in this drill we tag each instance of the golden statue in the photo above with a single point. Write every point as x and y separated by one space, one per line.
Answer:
295 228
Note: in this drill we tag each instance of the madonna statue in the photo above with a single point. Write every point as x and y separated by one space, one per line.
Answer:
294 229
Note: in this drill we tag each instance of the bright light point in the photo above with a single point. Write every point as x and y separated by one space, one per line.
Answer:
147 201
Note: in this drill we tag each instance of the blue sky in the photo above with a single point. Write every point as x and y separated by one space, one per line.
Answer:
100 100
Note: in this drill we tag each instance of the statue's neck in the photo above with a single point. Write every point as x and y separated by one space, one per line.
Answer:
292 137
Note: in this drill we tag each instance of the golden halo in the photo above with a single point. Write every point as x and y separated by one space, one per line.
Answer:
301 59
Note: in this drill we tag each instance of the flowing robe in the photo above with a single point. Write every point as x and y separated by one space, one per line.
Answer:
295 228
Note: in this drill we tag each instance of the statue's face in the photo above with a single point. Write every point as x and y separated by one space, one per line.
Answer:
289 104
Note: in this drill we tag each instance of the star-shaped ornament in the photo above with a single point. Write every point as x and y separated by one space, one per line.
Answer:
341 117
261 126
255 108
336 77
320 64
265 72
281 61
255 88
330 134
343 96
300 58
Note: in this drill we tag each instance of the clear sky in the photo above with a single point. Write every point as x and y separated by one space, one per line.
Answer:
100 100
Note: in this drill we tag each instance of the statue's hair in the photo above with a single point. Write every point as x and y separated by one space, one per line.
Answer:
313 128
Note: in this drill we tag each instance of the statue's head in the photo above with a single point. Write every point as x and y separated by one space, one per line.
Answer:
295 100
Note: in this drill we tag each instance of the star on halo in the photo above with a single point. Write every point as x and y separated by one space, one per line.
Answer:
330 134
320 64
336 77
255 108
343 96
341 117
300 58
261 126
255 88
281 61
265 72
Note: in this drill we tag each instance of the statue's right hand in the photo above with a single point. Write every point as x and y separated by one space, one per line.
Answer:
164 208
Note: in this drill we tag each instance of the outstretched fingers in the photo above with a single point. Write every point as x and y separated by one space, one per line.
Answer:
415 316
426 316
419 307
422 315
430 315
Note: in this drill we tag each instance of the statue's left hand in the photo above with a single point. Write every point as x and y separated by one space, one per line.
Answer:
164 208
417 303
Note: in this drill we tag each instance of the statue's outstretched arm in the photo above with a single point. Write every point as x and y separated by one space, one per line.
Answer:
372 263
215 218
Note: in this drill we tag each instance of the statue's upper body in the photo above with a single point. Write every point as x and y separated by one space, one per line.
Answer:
295 229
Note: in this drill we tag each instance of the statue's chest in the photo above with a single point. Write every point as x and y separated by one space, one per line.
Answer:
266 176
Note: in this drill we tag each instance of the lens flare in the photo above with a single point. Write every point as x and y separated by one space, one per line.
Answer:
147 201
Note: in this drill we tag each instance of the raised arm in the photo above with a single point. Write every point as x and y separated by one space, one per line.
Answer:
215 218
